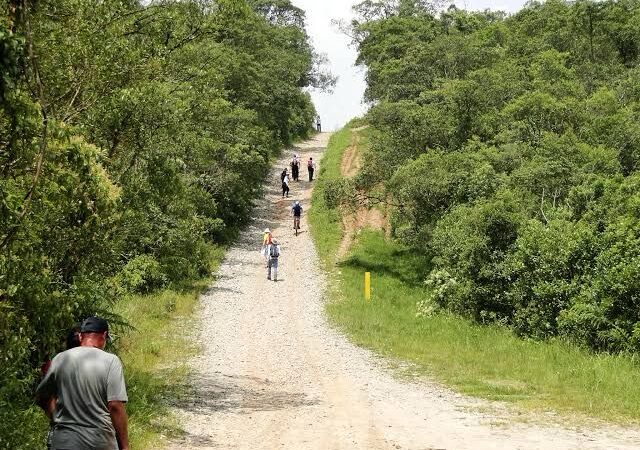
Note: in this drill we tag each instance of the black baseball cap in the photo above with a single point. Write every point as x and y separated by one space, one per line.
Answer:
94 325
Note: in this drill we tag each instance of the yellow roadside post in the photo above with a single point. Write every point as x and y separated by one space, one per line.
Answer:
367 286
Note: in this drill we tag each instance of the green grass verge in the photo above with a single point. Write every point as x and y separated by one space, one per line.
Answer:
483 361
154 354
325 222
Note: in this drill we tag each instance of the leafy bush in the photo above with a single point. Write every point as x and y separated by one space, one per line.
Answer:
141 274
441 285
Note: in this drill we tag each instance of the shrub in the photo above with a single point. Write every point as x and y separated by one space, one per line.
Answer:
141 274
441 285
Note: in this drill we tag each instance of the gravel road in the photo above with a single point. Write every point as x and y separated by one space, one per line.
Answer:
274 375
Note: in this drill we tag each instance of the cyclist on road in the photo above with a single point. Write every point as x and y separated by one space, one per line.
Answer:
296 212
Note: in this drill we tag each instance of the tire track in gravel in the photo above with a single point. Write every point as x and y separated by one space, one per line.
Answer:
274 375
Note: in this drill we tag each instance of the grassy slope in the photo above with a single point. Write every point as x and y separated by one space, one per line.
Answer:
325 223
484 361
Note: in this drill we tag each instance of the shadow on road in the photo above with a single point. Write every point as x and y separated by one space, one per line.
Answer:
238 395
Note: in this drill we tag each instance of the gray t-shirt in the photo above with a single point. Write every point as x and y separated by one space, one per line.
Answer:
84 379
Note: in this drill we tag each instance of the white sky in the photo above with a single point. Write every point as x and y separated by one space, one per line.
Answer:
346 101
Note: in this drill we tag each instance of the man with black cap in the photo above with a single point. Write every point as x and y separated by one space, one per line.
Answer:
91 394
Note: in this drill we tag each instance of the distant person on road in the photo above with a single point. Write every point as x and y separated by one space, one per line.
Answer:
295 167
91 394
296 212
311 167
266 242
272 266
285 185
318 124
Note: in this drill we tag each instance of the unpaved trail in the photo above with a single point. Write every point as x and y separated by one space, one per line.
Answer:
274 375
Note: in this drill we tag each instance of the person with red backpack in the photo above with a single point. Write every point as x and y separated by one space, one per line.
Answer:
311 167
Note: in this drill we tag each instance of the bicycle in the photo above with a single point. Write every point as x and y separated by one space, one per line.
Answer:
296 224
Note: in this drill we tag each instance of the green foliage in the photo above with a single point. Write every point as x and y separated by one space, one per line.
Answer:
509 148
141 274
406 319
134 138
324 219
486 361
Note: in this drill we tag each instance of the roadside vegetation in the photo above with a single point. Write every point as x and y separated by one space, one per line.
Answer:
484 360
154 349
508 148
326 222
134 136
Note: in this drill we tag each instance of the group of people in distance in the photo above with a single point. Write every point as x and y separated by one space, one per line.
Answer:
83 393
270 246
83 390
295 173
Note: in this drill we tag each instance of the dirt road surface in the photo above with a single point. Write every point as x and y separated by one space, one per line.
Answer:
274 375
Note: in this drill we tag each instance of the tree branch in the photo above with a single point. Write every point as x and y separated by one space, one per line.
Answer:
366 199
544 216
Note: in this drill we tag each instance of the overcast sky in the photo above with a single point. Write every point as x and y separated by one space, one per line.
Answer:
346 101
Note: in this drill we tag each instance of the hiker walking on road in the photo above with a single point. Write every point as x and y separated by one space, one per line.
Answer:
272 265
91 394
266 242
311 167
295 167
285 185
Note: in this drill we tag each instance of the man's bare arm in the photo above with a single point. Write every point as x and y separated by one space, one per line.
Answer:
47 403
120 423
51 407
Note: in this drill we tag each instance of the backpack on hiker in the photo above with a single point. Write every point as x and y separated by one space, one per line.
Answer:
310 164
297 210
274 251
